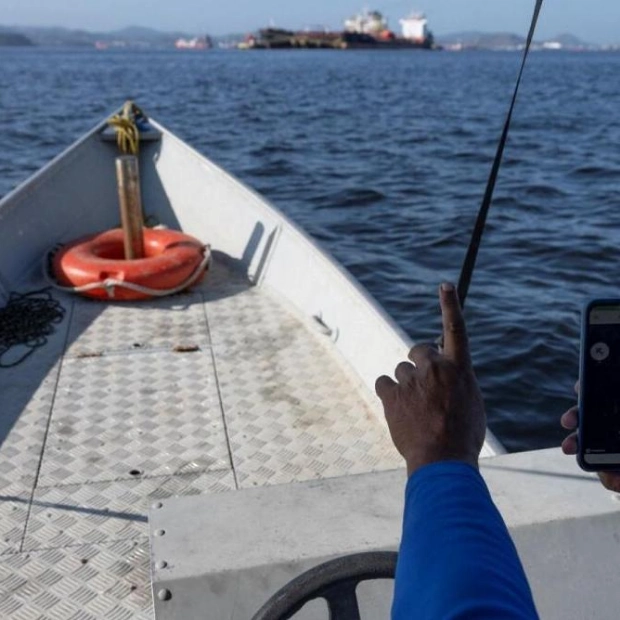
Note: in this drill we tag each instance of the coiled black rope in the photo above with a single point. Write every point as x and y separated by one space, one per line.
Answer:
27 320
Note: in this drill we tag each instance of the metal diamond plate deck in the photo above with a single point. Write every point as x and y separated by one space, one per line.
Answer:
291 411
130 403
86 583
154 413
94 513
25 409
168 323
26 398
14 504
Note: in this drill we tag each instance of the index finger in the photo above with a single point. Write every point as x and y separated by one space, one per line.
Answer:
455 343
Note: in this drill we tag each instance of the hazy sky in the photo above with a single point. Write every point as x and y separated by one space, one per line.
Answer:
597 21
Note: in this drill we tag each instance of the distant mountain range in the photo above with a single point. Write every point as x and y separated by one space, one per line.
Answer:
132 36
508 40
139 37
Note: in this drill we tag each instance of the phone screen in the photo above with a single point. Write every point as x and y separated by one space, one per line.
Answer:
600 386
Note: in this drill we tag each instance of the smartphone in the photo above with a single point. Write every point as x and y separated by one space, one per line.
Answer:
599 391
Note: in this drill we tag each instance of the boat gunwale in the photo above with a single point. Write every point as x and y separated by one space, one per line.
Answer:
351 288
354 289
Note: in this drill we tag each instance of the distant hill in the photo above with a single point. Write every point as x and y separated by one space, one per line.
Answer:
59 36
149 38
14 39
570 40
140 32
508 41
145 35
132 36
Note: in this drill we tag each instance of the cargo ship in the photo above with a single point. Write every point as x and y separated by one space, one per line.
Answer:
366 30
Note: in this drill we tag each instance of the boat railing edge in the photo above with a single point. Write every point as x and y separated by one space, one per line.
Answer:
399 338
285 222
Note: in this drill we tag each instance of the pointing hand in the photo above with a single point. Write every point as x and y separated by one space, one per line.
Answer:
434 409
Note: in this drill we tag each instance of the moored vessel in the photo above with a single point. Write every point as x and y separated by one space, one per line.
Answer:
366 30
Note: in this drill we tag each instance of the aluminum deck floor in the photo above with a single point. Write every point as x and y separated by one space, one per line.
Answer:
207 392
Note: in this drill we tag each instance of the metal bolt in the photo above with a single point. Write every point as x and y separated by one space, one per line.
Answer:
160 532
161 564
157 505
164 595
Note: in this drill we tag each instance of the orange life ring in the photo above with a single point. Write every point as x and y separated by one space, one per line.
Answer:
171 257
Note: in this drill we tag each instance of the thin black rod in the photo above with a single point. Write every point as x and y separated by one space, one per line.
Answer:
469 263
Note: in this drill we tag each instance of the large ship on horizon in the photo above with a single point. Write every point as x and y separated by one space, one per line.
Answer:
366 30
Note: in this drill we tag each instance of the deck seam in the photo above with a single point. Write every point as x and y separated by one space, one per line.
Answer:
136 479
219 394
102 543
138 351
47 428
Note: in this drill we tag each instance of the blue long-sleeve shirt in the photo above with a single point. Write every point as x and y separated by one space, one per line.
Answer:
457 560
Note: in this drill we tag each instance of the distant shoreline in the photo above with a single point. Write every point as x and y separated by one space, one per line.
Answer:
136 37
14 39
146 39
83 49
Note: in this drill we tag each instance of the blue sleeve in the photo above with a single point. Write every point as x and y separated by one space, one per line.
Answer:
456 558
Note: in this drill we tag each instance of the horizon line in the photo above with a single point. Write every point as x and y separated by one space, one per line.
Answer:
182 31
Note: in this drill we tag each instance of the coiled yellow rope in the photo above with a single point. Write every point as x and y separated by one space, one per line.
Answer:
127 132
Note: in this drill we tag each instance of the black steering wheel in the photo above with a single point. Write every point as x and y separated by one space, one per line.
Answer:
335 581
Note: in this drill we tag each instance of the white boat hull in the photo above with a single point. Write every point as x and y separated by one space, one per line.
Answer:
261 375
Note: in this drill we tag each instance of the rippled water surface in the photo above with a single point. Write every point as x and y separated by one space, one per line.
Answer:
383 158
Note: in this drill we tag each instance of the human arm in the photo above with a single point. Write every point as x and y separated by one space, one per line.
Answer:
456 558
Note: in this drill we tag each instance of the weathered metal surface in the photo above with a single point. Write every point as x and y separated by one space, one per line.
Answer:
86 582
105 511
14 505
100 431
202 393
251 543
172 322
292 413
565 525
26 398
25 408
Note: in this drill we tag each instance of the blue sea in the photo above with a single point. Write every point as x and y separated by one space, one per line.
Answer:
383 158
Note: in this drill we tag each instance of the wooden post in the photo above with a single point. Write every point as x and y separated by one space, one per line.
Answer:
128 177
